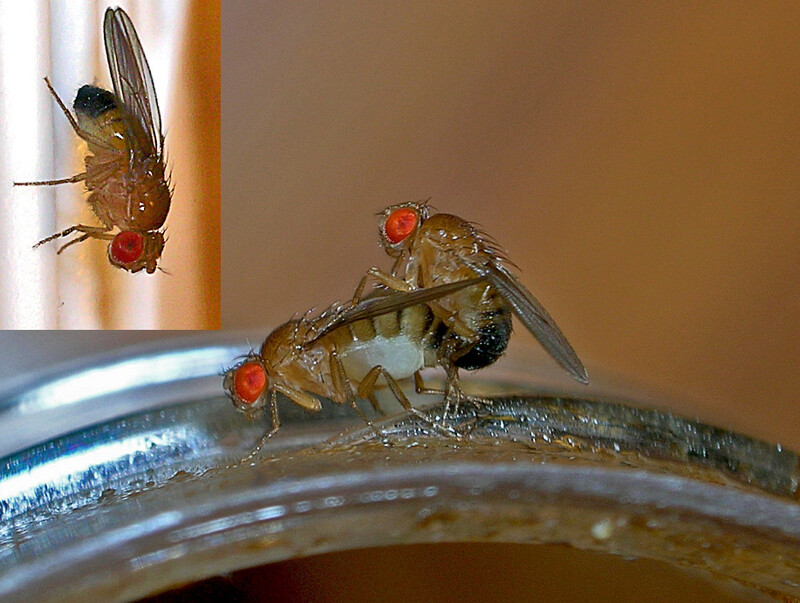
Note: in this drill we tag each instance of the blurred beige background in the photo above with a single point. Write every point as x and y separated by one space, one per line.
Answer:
640 163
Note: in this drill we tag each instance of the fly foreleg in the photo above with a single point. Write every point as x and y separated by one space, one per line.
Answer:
76 178
397 263
388 280
276 425
360 289
93 232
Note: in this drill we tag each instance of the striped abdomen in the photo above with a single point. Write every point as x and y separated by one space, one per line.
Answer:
396 341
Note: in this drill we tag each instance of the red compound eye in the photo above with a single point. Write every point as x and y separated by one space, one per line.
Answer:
249 382
127 247
400 223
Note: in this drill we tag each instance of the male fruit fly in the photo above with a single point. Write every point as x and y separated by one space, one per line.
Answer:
125 170
298 360
433 250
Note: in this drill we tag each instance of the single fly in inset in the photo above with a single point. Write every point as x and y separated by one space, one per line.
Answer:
125 173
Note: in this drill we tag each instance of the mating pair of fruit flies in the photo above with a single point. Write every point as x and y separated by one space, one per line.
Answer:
447 302
125 170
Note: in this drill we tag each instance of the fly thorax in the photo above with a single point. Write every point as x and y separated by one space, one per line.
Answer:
292 364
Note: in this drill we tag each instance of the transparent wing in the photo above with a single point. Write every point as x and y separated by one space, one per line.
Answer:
131 77
527 308
383 302
535 318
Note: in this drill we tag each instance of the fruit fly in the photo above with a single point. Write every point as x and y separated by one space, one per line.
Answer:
125 170
303 357
432 250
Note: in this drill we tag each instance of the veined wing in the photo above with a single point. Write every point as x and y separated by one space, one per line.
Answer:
535 318
130 75
391 301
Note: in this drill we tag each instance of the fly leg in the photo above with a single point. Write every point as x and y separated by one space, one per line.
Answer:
453 393
360 289
341 384
94 232
101 235
389 280
451 388
302 399
397 263
76 178
78 130
445 353
453 346
398 284
421 388
276 425
367 387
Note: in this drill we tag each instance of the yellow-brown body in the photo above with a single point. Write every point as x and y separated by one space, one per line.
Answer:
125 172
125 175
447 249
433 250
341 365
335 365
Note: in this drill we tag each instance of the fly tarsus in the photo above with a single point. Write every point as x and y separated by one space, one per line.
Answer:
93 232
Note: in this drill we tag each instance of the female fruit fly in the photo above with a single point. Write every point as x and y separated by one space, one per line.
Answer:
125 172
436 249
304 357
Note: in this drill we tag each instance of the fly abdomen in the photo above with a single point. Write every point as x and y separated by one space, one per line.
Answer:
412 322
492 342
393 340
416 321
101 117
93 101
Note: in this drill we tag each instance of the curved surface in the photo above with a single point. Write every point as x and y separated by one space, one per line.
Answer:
145 501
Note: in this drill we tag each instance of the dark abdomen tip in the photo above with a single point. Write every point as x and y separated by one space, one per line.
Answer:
93 101
492 344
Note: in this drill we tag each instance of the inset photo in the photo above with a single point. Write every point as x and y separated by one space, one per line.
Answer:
110 165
